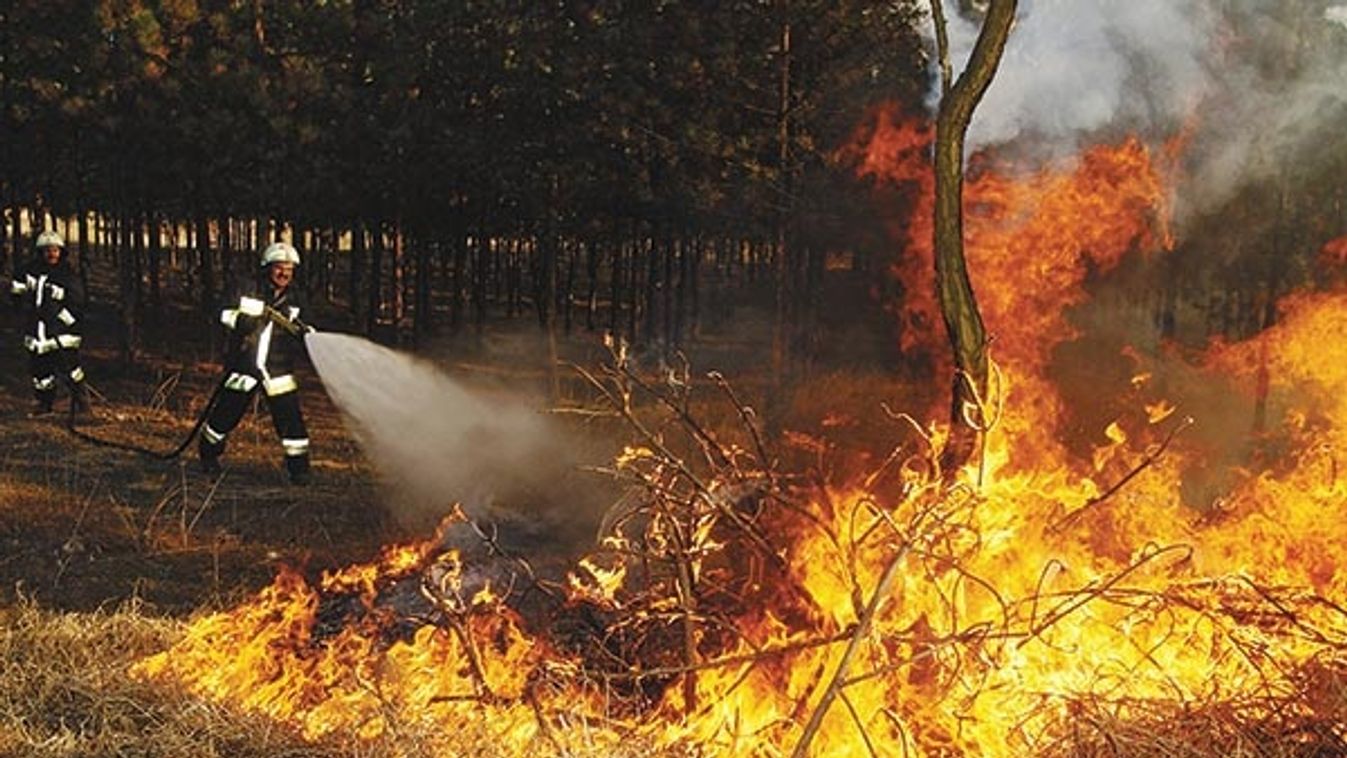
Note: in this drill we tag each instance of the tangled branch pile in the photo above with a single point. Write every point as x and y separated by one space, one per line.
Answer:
732 607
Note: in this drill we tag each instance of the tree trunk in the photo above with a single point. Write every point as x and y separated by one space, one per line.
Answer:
86 247
544 281
222 224
652 269
782 251
958 307
634 287
479 279
126 287
615 289
592 283
136 228
550 246
681 294
566 298
421 302
694 281
375 280
4 239
155 255
356 264
399 280
456 297
666 293
509 249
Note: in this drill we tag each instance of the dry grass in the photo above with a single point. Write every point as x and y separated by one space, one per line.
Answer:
84 530
65 691
1228 730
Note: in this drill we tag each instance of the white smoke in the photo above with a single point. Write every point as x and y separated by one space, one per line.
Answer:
1072 67
1262 80
1075 66
437 444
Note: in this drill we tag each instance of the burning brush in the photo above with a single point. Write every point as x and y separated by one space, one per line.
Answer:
1039 603
730 607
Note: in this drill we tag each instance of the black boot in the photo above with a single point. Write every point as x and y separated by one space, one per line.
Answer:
209 458
297 466
79 401
43 400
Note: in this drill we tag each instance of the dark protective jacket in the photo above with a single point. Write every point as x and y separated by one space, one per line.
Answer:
52 298
258 346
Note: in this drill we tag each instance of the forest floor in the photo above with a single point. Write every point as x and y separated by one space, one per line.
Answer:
84 526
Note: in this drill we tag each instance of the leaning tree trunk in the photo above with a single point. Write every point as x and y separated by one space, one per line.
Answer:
963 322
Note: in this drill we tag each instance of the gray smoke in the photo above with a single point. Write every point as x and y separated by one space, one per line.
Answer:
436 443
1263 80
1072 67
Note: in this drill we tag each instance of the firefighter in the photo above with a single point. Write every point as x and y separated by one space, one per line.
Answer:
265 339
53 300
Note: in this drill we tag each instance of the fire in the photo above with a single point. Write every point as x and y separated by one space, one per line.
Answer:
1032 240
1333 255
1018 612
273 655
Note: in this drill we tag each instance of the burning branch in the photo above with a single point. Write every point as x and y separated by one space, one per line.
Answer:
731 606
1150 458
618 393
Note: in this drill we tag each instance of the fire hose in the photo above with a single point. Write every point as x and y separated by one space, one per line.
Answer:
291 325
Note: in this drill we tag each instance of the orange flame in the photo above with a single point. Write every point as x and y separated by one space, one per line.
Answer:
991 614
1033 239
1333 255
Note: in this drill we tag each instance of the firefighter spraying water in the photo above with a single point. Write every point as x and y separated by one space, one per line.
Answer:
266 339
260 355
434 441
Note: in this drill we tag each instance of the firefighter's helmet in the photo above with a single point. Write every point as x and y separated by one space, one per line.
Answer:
280 252
48 239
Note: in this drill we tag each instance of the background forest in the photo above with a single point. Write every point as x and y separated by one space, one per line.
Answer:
443 164
630 167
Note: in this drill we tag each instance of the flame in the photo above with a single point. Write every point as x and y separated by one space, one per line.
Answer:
1333 255
973 620
1033 238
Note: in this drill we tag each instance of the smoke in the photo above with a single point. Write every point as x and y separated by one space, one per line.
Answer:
436 443
1072 67
1261 81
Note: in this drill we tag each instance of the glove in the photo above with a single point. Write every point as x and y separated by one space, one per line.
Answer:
57 291
250 307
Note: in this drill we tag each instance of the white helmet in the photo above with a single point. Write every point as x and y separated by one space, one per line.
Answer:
47 239
280 252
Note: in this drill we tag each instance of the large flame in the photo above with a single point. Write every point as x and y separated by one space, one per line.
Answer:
995 618
1032 239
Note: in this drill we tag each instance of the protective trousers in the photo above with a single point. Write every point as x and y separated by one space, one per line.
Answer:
47 366
286 417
